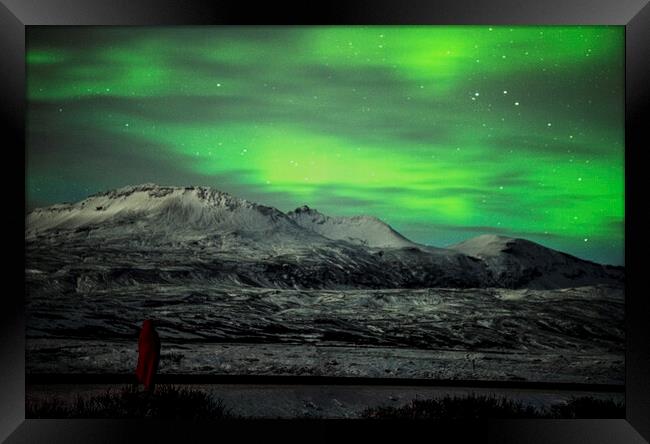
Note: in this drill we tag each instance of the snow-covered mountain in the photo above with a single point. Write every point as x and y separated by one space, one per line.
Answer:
167 234
161 208
518 262
363 230
156 217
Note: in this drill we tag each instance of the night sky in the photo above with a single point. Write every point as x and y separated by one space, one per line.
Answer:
443 132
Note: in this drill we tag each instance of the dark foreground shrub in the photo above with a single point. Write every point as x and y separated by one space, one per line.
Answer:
587 407
481 406
166 401
454 408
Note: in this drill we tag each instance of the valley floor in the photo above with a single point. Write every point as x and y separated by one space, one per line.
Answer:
510 343
67 356
320 401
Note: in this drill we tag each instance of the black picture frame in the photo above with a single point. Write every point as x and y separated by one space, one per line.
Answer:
15 15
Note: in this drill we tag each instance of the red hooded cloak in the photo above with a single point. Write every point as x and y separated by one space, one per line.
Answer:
148 354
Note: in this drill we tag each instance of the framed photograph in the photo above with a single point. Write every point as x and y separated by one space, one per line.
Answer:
417 213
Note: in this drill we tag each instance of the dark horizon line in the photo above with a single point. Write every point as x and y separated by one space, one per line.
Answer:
173 378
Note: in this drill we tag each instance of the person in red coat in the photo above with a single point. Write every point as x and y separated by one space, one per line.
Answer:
148 355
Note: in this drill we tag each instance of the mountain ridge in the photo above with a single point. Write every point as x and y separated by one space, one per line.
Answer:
300 248
363 229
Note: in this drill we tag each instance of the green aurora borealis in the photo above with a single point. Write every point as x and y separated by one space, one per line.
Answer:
444 132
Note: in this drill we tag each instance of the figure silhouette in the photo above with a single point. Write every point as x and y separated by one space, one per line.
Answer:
148 355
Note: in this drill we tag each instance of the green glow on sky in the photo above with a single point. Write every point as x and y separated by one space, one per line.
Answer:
445 132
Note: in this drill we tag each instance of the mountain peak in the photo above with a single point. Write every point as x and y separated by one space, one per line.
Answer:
304 209
515 262
363 230
155 190
160 208
487 245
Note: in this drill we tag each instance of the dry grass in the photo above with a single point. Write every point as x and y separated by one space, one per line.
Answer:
166 401
483 407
